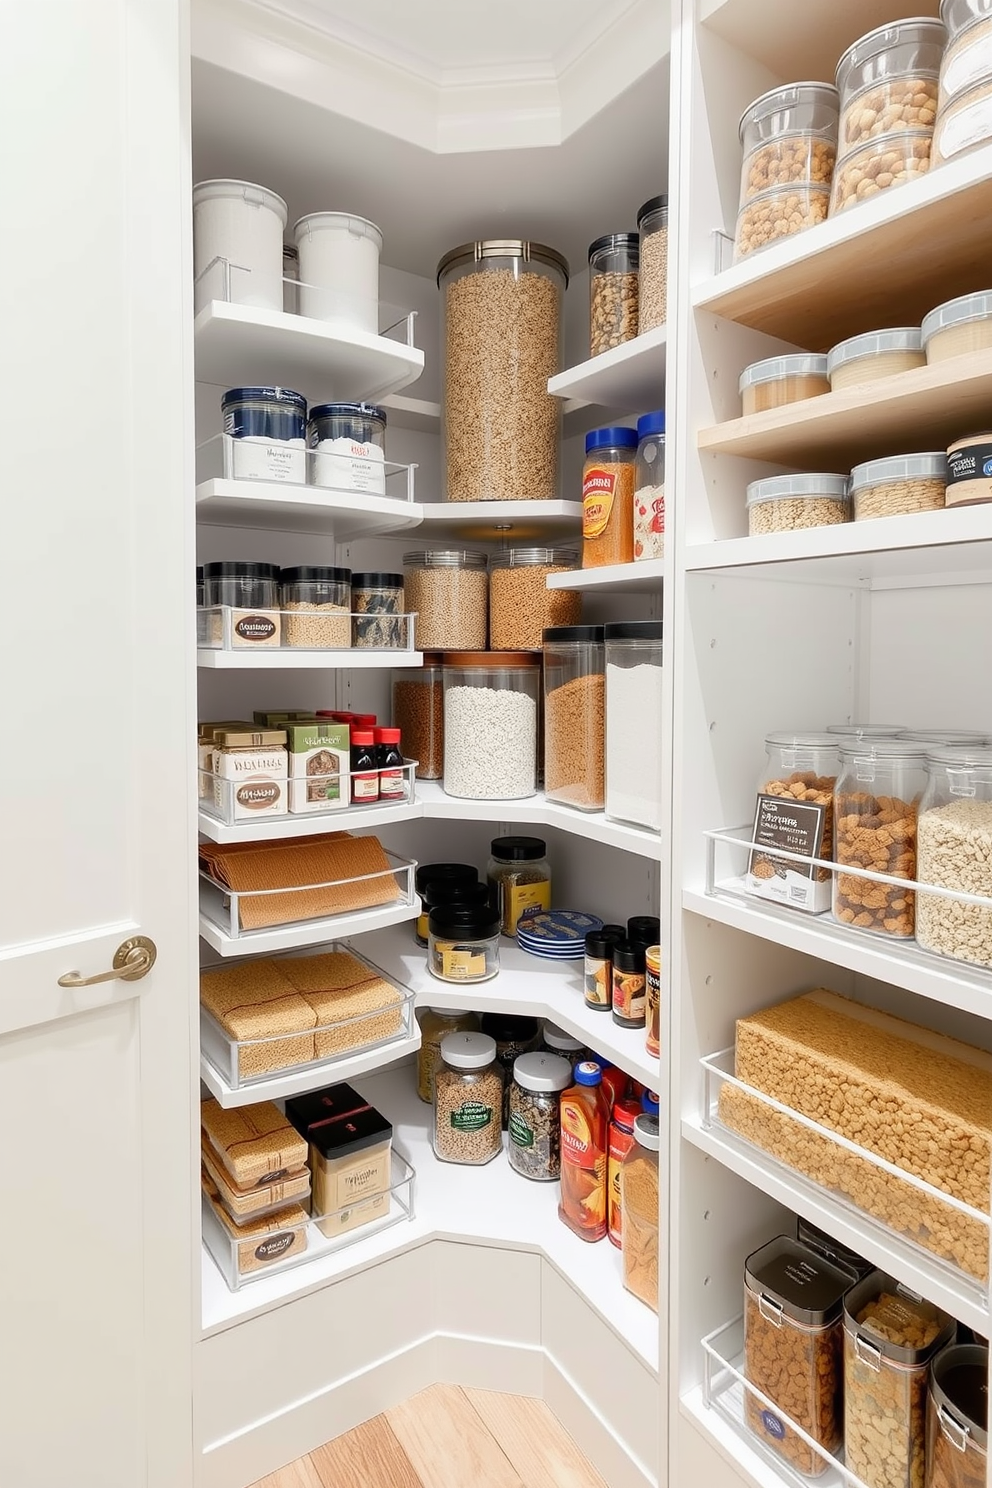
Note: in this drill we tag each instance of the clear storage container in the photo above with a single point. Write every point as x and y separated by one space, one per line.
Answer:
519 877
502 330
377 607
521 606
418 712
958 327
264 434
316 606
890 1336
899 485
463 943
449 592
789 138
575 716
876 801
639 1201
490 724
800 772
878 167
967 57
347 447
339 269
944 738
237 244
608 478
534 1123
649 487
468 1096
652 224
613 290
778 214
954 851
633 722
963 123
251 592
783 503
874 354
443 893
435 1025
793 1348
779 380
957 1418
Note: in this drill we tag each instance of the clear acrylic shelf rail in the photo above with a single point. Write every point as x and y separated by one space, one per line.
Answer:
248 1257
950 1239
241 1063
727 1390
262 797
328 631
309 472
223 909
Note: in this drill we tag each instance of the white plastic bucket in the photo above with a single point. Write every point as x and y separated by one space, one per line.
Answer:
339 269
242 225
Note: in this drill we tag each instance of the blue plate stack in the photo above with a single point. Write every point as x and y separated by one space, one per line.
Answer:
557 934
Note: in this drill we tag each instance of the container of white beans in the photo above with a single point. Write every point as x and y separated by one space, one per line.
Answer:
490 724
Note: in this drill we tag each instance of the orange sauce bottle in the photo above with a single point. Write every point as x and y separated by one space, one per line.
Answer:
621 1139
585 1119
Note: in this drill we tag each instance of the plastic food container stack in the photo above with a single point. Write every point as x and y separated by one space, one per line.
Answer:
873 355
958 326
237 244
964 114
776 381
789 139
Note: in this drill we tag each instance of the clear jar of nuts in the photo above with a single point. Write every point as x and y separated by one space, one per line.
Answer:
783 503
652 281
613 290
876 801
449 592
521 606
793 1347
877 167
789 138
890 1336
899 485
778 214
502 331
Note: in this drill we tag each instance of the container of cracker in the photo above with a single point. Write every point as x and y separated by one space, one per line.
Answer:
245 1252
255 1145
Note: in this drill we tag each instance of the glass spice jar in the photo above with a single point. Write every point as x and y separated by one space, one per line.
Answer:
608 497
534 1120
639 1201
519 876
613 290
377 612
598 976
463 943
628 995
418 711
468 1093
435 1025
439 893
652 991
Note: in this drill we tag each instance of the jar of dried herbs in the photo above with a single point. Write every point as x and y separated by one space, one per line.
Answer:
534 1126
519 875
641 1218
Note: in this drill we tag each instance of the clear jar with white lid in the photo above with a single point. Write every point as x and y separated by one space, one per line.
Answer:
789 138
534 1119
784 503
958 326
899 485
954 851
874 354
967 58
448 589
776 381
468 1100
652 281
876 801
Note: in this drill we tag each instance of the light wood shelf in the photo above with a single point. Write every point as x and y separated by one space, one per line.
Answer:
926 408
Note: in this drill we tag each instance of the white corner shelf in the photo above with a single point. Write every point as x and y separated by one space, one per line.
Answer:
295 1082
494 521
489 1206
952 546
964 1298
277 659
309 824
343 515
899 963
419 414
645 577
240 345
628 378
525 984
592 825
901 253
303 932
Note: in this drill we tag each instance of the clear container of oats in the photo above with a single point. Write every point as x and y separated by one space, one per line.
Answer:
502 304
776 381
793 1350
521 606
468 1100
876 801
874 354
967 57
449 592
955 328
316 606
782 503
890 1336
789 138
899 485
954 851
652 282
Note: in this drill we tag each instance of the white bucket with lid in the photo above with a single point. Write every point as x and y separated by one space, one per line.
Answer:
242 225
339 269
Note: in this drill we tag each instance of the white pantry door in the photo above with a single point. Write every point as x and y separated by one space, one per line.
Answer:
96 838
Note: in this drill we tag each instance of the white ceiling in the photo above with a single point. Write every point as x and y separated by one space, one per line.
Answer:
438 35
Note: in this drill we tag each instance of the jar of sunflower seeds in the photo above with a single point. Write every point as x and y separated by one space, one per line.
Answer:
535 1123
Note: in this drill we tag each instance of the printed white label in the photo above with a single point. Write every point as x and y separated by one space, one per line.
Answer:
965 127
254 458
968 61
347 465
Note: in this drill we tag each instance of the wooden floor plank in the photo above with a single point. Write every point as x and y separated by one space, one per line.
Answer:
439 1431
299 1474
370 1456
534 1440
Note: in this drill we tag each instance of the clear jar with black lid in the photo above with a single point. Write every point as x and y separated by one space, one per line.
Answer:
378 621
519 877
534 1121
463 942
264 434
439 892
957 1417
346 442
652 283
644 930
514 1036
613 290
316 602
250 593
629 994
598 971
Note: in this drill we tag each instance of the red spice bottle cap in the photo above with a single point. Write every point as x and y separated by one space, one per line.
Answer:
361 736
